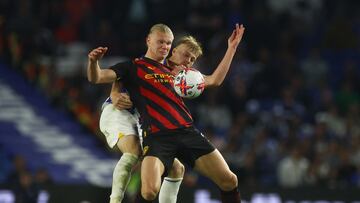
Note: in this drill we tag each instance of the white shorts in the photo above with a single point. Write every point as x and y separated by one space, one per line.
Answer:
115 124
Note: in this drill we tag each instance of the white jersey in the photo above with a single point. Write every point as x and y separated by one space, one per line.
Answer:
115 124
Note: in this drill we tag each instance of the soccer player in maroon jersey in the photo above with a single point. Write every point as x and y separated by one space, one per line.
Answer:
118 120
166 122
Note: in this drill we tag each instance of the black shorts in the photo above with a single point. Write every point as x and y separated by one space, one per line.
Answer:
186 144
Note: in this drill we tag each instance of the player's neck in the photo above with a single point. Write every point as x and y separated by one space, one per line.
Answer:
154 58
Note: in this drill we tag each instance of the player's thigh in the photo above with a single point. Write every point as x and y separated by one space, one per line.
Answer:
214 166
151 170
129 144
118 126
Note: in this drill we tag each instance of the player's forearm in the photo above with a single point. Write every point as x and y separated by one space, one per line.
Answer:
218 76
115 89
93 71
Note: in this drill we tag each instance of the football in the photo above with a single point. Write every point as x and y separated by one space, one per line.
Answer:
189 83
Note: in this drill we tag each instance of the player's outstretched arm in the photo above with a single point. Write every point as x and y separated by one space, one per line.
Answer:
120 100
94 73
220 72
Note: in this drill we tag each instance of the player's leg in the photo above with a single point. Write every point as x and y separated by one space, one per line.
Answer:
207 160
118 129
213 166
159 154
151 171
171 184
129 146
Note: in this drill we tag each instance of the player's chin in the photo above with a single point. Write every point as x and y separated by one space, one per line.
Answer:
187 65
163 53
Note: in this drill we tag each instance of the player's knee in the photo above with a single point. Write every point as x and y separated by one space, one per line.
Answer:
135 151
229 181
132 151
149 193
177 170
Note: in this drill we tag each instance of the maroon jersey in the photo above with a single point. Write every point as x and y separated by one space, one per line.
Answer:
150 85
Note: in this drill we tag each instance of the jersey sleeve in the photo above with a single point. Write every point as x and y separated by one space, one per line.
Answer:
121 69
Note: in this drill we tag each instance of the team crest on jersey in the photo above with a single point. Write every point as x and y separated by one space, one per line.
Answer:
145 150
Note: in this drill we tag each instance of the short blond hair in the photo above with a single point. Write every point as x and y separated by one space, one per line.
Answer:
160 28
191 43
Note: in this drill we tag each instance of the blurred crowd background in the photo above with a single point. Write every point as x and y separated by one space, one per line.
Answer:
288 113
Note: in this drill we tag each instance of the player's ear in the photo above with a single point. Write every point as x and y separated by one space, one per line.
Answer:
147 40
173 51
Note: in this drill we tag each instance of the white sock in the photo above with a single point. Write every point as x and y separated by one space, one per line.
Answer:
169 190
121 176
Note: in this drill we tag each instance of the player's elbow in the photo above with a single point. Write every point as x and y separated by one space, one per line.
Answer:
213 83
94 80
95 76
216 83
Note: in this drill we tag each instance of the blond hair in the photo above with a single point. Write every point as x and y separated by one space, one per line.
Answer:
160 28
192 44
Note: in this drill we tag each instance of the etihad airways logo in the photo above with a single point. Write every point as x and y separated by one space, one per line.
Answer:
160 77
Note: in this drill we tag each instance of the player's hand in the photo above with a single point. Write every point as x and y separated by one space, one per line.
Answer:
121 101
176 69
236 36
97 54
